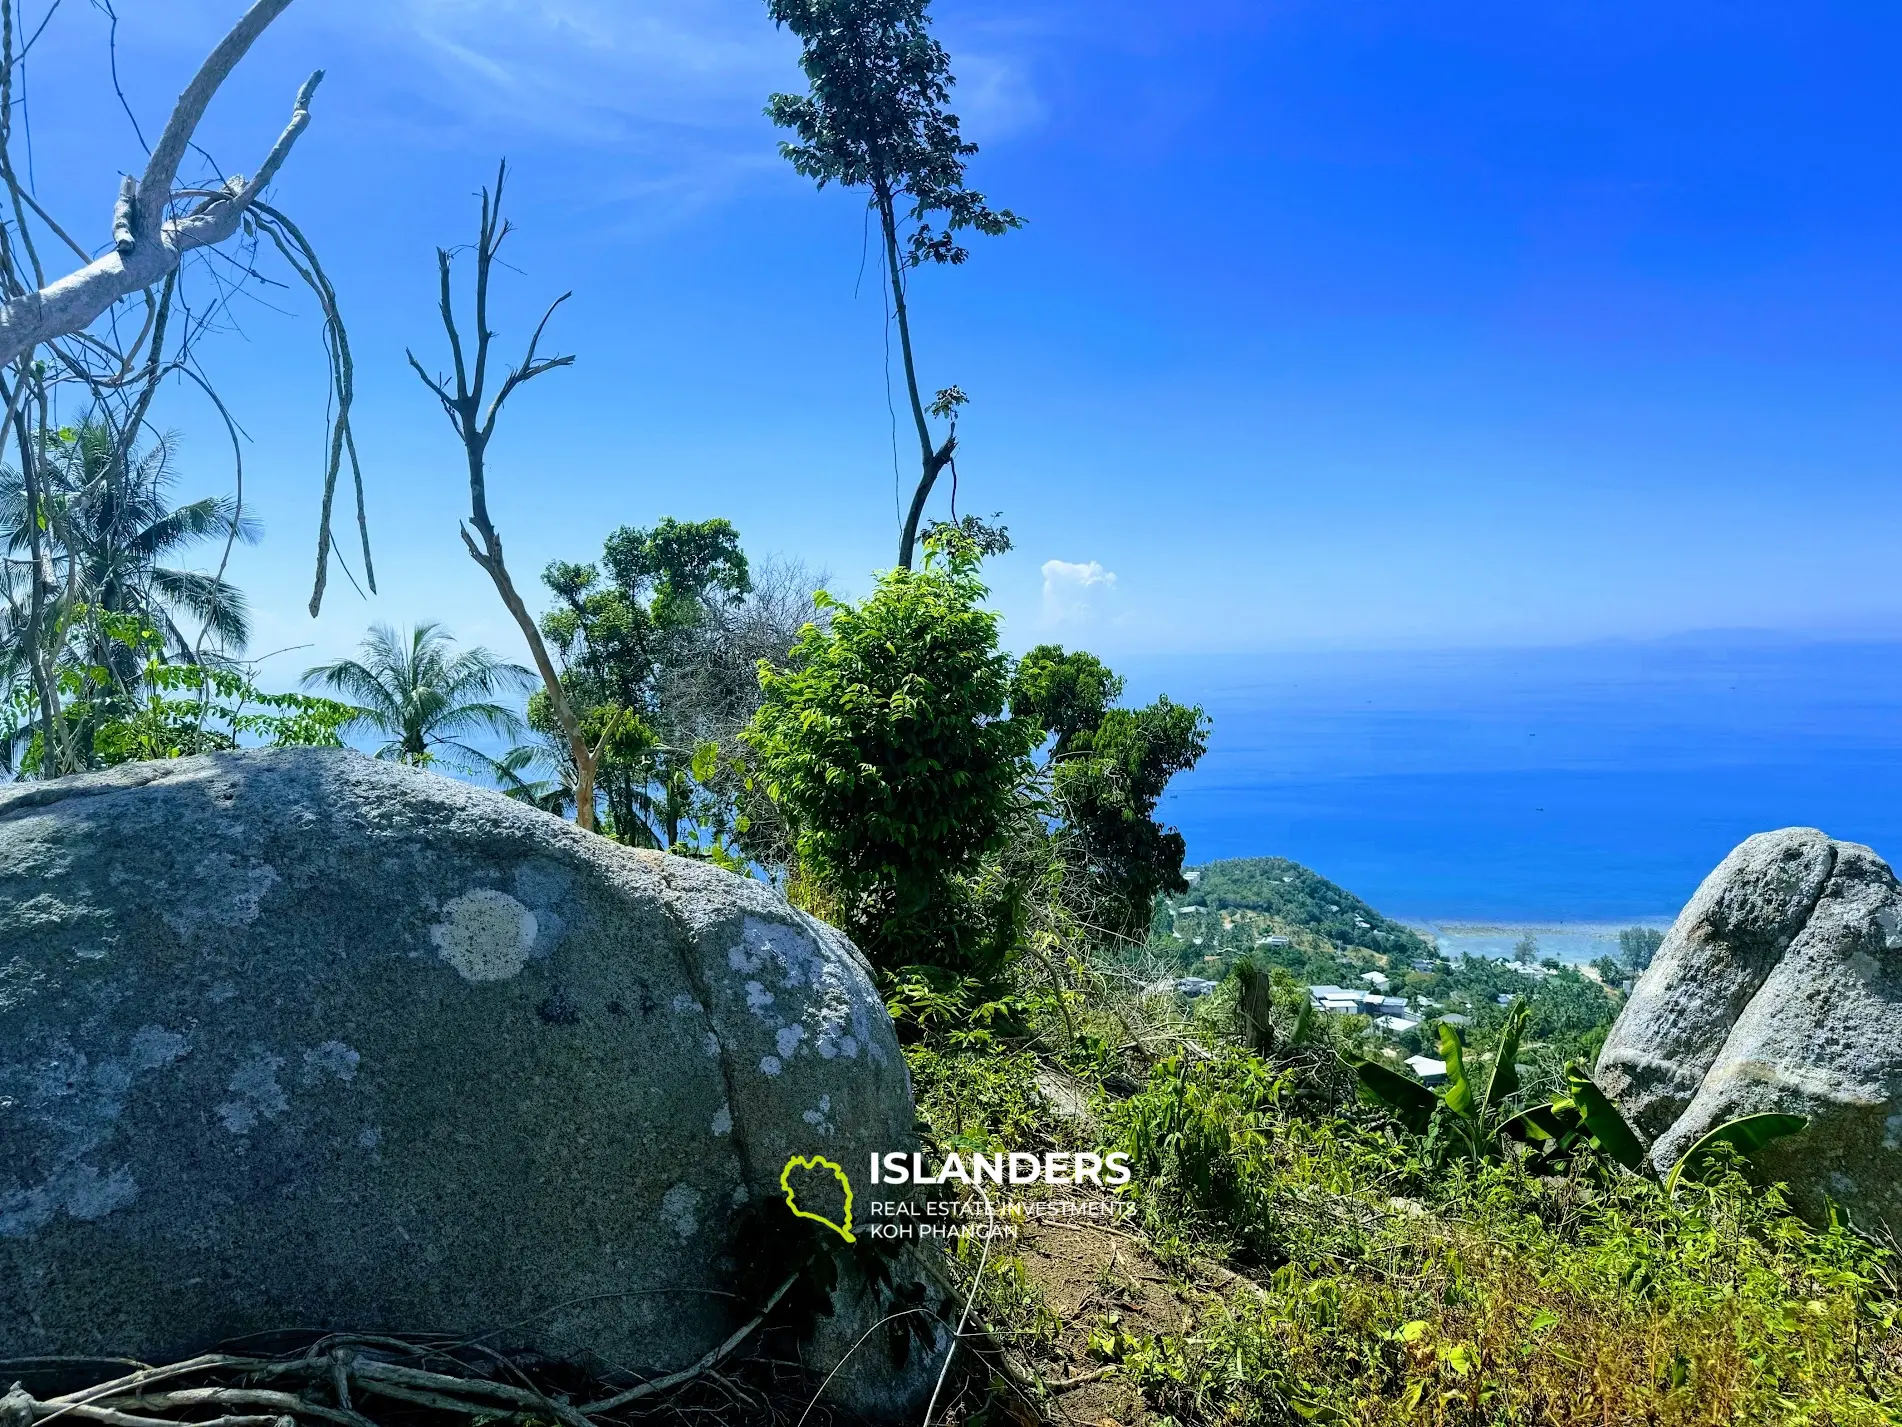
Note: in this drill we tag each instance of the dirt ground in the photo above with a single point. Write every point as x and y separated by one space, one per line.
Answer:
1089 1278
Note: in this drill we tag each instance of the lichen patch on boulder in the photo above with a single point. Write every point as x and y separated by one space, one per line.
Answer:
485 935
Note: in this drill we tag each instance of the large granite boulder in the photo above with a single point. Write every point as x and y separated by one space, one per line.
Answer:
296 1038
1778 988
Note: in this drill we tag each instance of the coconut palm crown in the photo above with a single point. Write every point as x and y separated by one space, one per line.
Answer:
424 695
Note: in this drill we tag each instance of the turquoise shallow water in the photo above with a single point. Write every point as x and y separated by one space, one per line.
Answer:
1557 787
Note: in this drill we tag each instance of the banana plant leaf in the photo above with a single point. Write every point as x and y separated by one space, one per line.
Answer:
1303 1023
1542 1124
1503 1082
1747 1134
1604 1125
1410 1101
1459 1090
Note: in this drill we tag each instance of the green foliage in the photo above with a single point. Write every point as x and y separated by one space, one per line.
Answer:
1467 1117
1488 1296
1745 1135
189 709
875 116
1300 898
885 747
1108 770
1411 1103
149 709
621 635
423 695
981 1098
1067 694
1476 1122
986 537
1637 946
1197 1134
107 538
1602 1122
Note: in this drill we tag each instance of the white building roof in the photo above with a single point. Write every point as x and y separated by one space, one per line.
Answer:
1426 1067
1399 1025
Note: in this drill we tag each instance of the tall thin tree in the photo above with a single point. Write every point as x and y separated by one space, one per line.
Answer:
472 412
876 116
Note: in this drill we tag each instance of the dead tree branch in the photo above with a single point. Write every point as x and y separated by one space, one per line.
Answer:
462 397
147 243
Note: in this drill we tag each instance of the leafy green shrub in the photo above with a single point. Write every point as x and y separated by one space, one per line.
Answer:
977 1100
886 749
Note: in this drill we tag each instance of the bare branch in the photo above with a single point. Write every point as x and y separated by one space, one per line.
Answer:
447 302
529 369
474 430
442 392
302 257
161 169
146 245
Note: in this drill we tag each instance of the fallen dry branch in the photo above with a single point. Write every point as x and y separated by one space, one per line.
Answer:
333 1382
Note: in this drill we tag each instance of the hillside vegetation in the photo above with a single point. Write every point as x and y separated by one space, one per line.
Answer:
1297 1254
1297 898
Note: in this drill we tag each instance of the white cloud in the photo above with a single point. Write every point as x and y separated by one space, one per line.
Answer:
1073 593
666 61
996 96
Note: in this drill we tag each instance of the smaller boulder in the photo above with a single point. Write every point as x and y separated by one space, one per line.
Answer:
1778 989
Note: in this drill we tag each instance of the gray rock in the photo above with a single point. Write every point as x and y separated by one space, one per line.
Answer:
299 1039
1779 989
1711 963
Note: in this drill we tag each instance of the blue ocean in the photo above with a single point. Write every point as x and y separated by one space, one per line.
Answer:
1569 789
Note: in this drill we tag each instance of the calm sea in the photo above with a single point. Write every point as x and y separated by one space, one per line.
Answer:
1548 787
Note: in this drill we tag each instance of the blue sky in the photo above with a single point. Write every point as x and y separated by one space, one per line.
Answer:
1334 325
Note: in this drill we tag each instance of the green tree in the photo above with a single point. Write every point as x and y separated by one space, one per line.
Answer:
168 710
1637 946
1108 769
424 695
1067 694
885 746
110 541
1525 951
623 632
875 116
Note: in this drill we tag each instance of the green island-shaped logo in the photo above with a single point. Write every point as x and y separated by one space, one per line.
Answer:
816 1162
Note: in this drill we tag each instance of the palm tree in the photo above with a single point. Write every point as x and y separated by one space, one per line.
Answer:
115 534
107 582
425 696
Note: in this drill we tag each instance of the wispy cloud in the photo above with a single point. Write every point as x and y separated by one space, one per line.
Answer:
1076 594
997 95
677 85
589 69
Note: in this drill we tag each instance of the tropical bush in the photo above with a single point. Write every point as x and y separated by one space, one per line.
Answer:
887 749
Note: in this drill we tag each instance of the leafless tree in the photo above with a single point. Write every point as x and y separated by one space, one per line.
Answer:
110 332
472 413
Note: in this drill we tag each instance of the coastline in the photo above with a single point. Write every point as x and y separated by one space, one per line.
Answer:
1572 943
